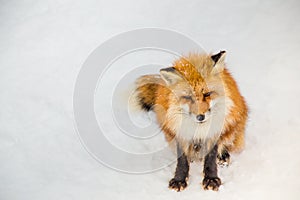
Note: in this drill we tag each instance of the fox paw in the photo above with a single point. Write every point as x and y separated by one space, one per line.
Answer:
211 183
223 160
177 185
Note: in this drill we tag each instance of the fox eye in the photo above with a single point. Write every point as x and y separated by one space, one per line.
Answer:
207 94
189 98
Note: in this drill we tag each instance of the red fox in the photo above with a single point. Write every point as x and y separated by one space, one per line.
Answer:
199 107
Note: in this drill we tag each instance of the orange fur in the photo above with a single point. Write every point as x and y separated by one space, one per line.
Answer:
195 76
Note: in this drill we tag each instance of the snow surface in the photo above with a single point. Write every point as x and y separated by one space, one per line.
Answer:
43 45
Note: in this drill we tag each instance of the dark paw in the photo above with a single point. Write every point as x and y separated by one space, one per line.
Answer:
177 185
211 183
223 159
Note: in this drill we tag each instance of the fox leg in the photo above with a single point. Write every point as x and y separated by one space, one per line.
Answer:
211 180
223 158
179 182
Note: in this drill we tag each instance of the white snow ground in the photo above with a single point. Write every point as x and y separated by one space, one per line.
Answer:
43 45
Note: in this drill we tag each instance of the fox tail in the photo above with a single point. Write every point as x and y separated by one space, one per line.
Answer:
146 91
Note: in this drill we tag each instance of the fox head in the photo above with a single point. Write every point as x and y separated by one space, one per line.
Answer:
196 86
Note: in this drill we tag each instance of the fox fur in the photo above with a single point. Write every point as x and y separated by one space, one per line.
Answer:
197 105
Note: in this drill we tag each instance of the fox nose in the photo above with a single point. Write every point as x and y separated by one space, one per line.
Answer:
200 117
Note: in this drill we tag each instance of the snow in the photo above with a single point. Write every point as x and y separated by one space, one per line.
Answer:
43 45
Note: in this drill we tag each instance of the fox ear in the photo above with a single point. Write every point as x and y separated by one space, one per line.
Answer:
218 60
170 75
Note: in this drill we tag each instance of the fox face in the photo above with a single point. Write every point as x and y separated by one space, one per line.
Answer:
197 98
195 102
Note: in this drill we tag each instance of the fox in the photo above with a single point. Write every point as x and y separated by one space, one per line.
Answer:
201 112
